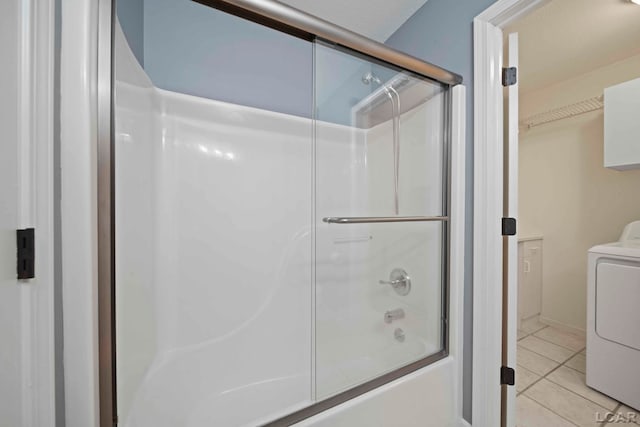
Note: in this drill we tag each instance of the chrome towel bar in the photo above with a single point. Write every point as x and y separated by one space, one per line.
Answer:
374 219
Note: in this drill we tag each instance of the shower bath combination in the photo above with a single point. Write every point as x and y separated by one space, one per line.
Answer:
253 289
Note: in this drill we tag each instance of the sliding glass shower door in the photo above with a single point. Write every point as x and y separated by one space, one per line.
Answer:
281 237
380 219
213 221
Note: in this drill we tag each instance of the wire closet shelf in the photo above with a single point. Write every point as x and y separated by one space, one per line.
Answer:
565 112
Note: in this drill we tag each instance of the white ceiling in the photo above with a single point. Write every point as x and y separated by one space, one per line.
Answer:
566 38
376 19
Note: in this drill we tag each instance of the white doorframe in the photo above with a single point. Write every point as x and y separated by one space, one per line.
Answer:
35 208
40 20
488 206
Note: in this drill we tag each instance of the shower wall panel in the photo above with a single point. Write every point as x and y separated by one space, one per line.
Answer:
415 247
421 160
233 255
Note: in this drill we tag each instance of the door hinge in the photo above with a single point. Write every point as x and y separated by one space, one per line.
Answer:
509 226
507 376
509 76
26 253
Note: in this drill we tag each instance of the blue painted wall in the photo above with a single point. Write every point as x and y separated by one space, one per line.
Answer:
131 16
194 49
441 32
190 48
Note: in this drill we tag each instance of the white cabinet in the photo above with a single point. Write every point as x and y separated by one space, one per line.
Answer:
529 277
622 126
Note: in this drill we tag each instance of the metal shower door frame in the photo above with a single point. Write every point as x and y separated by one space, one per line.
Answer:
106 216
282 17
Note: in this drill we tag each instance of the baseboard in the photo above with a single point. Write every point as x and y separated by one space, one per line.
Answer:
562 326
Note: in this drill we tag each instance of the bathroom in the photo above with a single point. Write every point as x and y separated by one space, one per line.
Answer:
274 213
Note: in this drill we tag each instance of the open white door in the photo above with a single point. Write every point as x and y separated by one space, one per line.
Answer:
510 242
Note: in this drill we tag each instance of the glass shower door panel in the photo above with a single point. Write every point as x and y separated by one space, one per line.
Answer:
379 152
214 209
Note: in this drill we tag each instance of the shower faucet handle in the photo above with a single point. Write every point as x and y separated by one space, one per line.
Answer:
393 283
399 280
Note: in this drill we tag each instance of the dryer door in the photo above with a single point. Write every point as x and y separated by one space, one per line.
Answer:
617 301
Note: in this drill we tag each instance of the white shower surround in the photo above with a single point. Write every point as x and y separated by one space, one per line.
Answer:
214 246
409 407
215 273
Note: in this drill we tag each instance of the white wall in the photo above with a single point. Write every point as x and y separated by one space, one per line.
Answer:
566 194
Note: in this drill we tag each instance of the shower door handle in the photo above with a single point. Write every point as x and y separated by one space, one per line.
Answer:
376 219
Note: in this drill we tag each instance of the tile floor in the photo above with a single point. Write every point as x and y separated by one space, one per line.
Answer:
550 383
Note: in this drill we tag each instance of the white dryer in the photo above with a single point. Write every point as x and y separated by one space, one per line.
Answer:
613 318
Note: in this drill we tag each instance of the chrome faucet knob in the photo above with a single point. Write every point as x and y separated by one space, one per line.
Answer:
399 280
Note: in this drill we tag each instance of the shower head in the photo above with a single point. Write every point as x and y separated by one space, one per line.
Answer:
370 77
